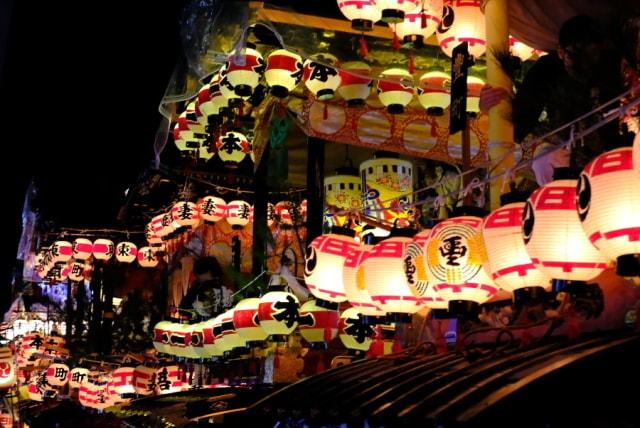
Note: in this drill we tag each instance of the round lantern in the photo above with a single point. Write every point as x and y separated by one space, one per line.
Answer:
169 380
283 72
152 237
462 22
78 376
93 394
230 336
362 13
416 272
474 86
186 215
519 49
318 325
219 346
212 209
433 92
238 213
420 24
147 257
324 263
122 380
126 252
508 261
353 332
61 251
355 84
385 278
161 334
247 324
8 369
82 249
205 110
179 339
321 76
193 341
243 71
355 286
143 380
608 204
455 258
554 237
103 249
393 11
232 148
395 89
278 313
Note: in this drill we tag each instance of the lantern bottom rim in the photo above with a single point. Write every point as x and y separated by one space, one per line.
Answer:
435 111
319 346
279 338
628 265
522 296
333 306
355 102
399 318
362 24
325 94
441 314
395 109
243 90
392 16
279 91
374 319
467 309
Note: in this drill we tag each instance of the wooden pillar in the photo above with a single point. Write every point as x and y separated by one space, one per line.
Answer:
501 143
260 229
315 187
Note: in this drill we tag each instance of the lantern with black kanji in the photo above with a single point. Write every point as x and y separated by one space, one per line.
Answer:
82 249
321 76
419 24
355 286
395 89
238 213
78 376
462 21
144 380
416 270
232 148
433 91
608 207
61 251
393 11
243 71
354 333
278 313
554 237
247 324
186 215
76 271
283 72
169 380
8 369
356 84
147 258
362 13
324 262
212 209
103 249
318 325
508 263
122 380
126 252
152 237
455 259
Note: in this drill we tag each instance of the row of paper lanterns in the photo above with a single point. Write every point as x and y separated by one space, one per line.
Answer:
568 230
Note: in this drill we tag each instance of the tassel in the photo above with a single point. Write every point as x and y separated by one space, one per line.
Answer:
423 19
376 349
573 327
526 339
395 44
320 367
327 335
325 112
364 49
412 62
276 360
396 347
241 108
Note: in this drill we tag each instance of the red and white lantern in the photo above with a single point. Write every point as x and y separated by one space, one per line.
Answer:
462 21
126 252
230 336
103 249
554 237
169 380
243 71
608 204
186 214
283 72
122 381
416 270
433 91
278 313
238 213
362 13
321 76
76 273
246 322
144 380
78 376
353 332
147 258
58 374
61 251
636 154
232 148
354 284
356 82
93 394
318 325
393 11
395 89
212 209
6 420
161 335
8 369
419 24
213 328
152 237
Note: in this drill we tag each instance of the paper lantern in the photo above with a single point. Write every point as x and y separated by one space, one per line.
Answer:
232 340
462 21
161 334
343 191
103 249
61 251
433 92
169 380
554 237
211 103
636 154
395 89
519 49
57 374
283 72
78 376
324 263
318 325
243 71
150 234
191 133
278 313
246 322
93 394
321 76
455 257
393 11
509 263
415 269
6 420
219 346
122 380
8 369
144 380
355 84
419 24
197 341
385 278
126 252
186 214
608 207
217 98
58 273
362 13
389 183
474 86
355 285
179 340
238 213
353 332
232 148
147 258
212 209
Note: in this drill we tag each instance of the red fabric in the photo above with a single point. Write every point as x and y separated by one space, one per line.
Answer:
364 49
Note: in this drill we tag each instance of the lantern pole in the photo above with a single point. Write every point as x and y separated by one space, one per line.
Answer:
501 144
315 187
260 228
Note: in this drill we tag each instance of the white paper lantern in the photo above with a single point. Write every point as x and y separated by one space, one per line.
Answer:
554 237
353 332
474 86
238 213
220 346
434 88
636 154
321 76
212 209
355 84
126 252
8 369
462 21
411 28
58 374
103 249
152 237
354 283
246 322
609 208
323 272
519 49
283 72
232 148
6 420
508 261
231 338
78 376
318 325
161 335
243 71
216 96
393 11
278 312
61 251
93 394
395 89
169 380
362 13
416 270
122 380
186 214
147 258
144 380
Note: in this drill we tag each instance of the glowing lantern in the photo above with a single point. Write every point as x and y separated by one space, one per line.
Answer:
78 376
355 84
126 252
232 148
147 257
122 381
186 215
215 327
354 284
433 92
103 249
416 271
166 226
216 97
283 72
197 341
462 21
412 28
395 89
152 237
519 49
169 380
179 339
57 374
93 394
212 209
232 340
161 334
455 256
508 261
6 420
8 370
321 76
238 213
206 111
362 13
636 154
246 322
608 203
353 332
393 11
38 385
324 263
243 71
474 86
554 237
61 251
278 313
144 380
318 325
